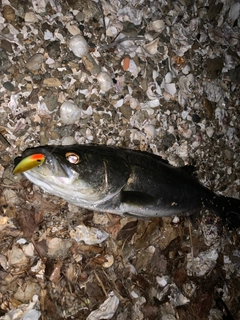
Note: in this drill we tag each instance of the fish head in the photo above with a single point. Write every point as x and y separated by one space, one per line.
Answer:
79 174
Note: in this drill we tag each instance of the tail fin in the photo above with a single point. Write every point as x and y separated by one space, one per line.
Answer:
229 210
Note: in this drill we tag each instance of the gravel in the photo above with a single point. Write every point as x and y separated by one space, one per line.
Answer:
179 98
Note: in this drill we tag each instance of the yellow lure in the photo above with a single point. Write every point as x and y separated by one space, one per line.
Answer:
29 163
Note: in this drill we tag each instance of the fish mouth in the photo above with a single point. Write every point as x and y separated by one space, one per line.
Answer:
56 176
43 163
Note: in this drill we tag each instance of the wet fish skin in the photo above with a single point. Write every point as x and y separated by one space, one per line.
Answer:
123 181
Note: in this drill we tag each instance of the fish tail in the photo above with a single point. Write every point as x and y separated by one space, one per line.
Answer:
229 210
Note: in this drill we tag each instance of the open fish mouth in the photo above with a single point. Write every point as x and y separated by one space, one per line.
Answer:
65 173
45 164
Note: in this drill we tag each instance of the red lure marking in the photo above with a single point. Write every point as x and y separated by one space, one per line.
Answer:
37 156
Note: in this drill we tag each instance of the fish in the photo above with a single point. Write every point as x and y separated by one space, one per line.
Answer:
121 181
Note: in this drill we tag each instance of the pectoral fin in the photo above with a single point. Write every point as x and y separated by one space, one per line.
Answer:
136 198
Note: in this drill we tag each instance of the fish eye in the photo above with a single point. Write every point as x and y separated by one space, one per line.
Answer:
72 157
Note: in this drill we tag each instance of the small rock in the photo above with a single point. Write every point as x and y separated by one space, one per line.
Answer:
79 17
208 106
234 11
44 138
214 10
68 141
109 260
26 292
96 117
16 257
54 135
30 17
105 81
150 131
53 49
52 82
79 46
234 74
138 118
214 67
228 154
69 112
9 86
58 247
89 235
126 111
158 25
73 29
89 9
33 97
209 132
196 118
14 3
31 314
51 101
8 13
186 69
90 64
6 45
168 140
4 61
35 62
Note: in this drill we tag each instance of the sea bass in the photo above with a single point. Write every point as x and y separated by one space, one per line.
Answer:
120 181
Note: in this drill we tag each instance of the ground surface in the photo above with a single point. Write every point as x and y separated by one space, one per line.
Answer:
179 98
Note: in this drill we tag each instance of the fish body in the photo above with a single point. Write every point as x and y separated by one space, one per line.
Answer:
120 181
